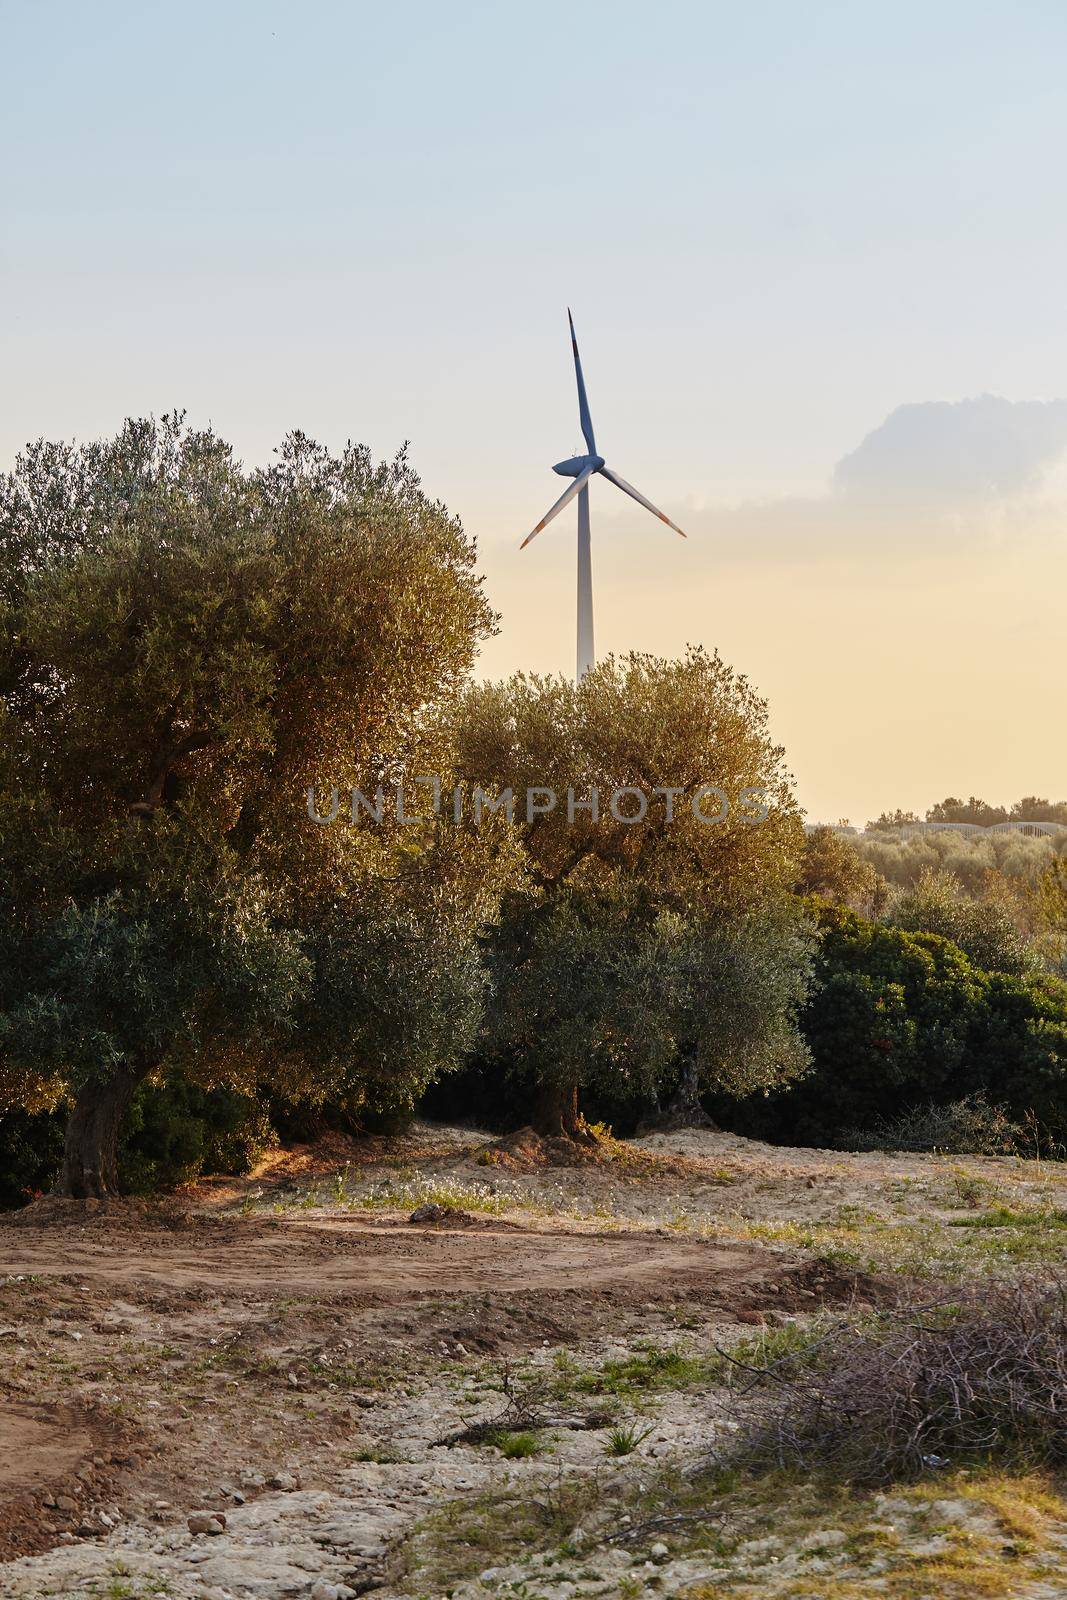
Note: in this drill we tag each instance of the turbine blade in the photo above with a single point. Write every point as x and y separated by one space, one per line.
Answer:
564 500
628 488
583 403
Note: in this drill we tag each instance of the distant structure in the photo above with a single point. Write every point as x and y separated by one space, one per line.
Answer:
1031 828
581 469
908 830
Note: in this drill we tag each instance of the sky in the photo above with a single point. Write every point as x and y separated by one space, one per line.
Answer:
817 257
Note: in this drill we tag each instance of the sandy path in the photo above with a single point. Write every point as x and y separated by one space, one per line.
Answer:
380 1262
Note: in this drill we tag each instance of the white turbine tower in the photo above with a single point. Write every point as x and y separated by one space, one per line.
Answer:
581 469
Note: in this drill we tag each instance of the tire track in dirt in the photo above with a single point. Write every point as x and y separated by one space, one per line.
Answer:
383 1263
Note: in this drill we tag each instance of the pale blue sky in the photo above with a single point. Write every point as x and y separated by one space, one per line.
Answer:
775 222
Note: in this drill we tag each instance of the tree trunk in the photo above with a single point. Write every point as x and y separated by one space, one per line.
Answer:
684 1109
90 1154
556 1114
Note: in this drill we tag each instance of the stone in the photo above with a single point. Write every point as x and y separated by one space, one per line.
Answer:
823 1539
284 1480
659 1551
211 1522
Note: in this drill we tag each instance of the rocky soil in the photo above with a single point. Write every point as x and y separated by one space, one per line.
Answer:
283 1387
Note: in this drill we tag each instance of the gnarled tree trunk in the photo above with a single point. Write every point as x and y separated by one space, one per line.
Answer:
90 1154
683 1109
556 1114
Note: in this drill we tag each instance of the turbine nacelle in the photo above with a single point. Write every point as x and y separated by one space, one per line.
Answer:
577 465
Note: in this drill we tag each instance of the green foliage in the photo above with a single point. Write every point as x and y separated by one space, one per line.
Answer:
646 1371
974 811
176 1131
605 990
624 1440
156 967
579 984
1050 904
832 868
31 1145
971 859
518 1446
184 648
1031 808
1018 1049
900 1019
739 988
638 721
630 948
983 929
397 999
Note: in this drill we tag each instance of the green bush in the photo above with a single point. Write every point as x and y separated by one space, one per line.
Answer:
177 1131
1019 1053
31 1145
899 1019
983 929
174 1134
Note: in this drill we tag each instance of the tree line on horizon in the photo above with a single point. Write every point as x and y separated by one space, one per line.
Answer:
1031 808
189 963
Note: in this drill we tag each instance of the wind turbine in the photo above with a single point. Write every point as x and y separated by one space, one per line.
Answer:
582 469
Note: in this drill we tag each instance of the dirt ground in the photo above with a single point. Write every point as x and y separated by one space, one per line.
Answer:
290 1354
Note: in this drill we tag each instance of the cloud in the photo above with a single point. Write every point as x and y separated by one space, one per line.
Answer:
936 479
945 453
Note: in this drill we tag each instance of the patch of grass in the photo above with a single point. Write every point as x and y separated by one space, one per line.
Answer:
449 1193
790 1343
648 1370
879 1554
919 1247
1002 1216
651 1369
517 1446
622 1441
460 1538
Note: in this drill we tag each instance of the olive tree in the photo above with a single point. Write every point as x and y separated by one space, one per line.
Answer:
612 947
186 647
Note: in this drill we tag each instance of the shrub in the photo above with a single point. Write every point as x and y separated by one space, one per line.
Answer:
833 868
31 1147
983 929
1018 1048
970 1126
899 1019
175 1132
970 859
983 1379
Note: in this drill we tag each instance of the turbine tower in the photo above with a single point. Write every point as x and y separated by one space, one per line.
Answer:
581 469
